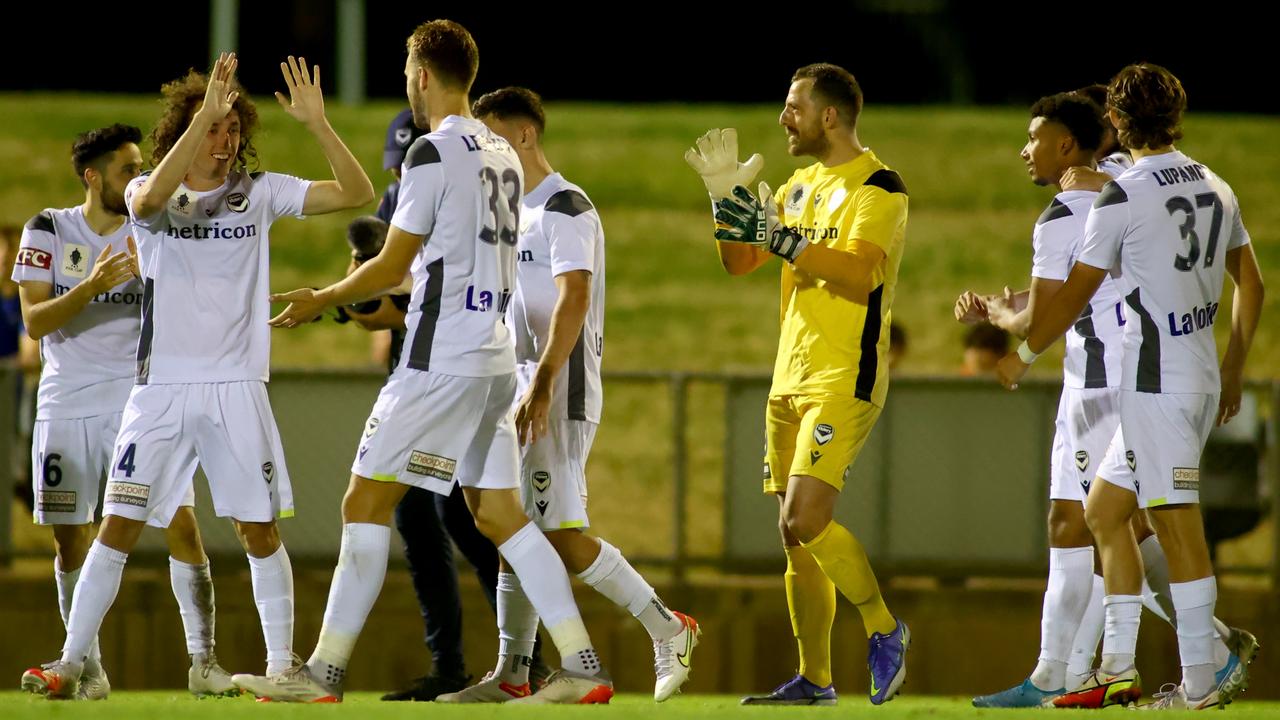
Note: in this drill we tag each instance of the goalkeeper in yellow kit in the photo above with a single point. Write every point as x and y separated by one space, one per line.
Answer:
839 227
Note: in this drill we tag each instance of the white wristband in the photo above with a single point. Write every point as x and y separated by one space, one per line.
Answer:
1024 352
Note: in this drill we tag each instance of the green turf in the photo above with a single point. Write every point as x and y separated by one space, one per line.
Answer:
700 707
669 305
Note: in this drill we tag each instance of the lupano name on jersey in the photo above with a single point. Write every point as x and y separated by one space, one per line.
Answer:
1198 319
1174 175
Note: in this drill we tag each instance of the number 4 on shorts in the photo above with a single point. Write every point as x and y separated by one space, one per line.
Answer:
126 465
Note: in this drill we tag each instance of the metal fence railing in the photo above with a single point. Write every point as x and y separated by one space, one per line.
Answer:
952 482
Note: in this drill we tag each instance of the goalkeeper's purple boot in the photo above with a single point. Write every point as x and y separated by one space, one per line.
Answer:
887 661
796 691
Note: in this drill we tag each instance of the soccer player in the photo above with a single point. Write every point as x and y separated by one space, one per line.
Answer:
1065 131
202 222
430 524
839 226
444 416
82 301
557 315
1172 390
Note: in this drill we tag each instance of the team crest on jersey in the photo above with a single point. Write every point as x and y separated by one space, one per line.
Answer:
268 471
823 433
238 202
403 136
1132 460
795 199
181 204
75 260
1082 460
541 480
371 427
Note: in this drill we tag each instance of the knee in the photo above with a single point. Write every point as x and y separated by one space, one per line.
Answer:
1102 520
71 544
1067 526
803 522
259 539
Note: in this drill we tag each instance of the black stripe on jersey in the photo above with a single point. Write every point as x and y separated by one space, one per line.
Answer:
42 222
1095 364
421 152
868 358
578 379
1149 350
148 328
1112 194
1056 211
424 336
887 180
256 175
568 202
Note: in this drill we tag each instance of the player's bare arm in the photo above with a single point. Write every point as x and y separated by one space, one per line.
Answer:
383 272
1084 178
1246 308
150 198
570 313
42 313
1047 327
350 186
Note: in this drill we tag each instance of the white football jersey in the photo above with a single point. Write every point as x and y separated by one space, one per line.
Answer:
560 231
87 364
1165 226
460 189
206 273
1115 163
1094 343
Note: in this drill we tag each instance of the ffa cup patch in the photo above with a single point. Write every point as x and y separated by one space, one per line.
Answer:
75 260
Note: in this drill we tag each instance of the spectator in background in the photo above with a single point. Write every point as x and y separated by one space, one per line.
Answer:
897 345
20 352
984 346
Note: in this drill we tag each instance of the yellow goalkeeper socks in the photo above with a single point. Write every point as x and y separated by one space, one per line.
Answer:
811 597
842 558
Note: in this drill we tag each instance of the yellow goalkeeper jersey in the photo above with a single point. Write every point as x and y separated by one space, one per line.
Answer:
831 345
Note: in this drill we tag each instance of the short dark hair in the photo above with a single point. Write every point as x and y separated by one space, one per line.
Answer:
366 236
1081 116
448 50
1151 101
1096 92
91 147
985 336
512 102
834 87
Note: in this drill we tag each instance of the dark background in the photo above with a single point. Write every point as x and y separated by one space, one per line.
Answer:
905 52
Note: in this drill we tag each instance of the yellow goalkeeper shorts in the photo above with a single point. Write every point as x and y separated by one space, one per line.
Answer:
815 435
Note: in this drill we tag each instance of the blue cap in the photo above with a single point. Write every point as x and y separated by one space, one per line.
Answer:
400 135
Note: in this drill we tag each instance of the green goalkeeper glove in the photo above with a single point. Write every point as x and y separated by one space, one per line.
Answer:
745 219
